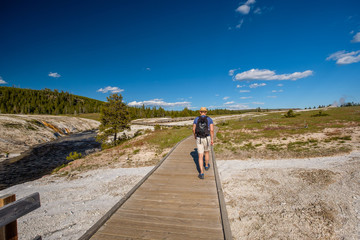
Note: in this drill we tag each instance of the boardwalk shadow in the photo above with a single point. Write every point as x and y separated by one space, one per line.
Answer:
195 155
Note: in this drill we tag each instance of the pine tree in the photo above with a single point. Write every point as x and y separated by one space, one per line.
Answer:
114 118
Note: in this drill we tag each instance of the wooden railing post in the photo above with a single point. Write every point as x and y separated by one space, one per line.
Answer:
9 231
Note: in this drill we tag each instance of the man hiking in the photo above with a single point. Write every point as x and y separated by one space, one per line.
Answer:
203 129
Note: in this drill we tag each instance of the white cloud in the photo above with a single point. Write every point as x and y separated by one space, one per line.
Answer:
231 72
257 11
243 9
343 57
240 86
245 97
2 81
280 85
277 90
243 91
110 89
258 103
216 95
239 25
255 85
356 38
148 69
227 103
250 2
160 103
265 74
225 98
54 75
237 106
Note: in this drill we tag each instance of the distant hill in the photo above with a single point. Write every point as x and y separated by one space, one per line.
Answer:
27 101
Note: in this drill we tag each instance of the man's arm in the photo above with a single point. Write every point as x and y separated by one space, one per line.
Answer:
212 133
194 127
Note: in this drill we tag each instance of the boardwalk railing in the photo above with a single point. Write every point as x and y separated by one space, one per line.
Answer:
11 210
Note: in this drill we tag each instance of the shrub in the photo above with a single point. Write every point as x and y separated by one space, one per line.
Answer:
290 114
157 127
73 156
224 123
320 114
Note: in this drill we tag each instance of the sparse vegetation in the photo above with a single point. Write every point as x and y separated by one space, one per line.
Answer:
290 114
275 136
73 156
320 114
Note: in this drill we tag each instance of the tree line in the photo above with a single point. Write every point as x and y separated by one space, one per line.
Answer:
27 101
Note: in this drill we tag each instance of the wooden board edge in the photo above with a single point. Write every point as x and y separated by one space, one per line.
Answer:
223 211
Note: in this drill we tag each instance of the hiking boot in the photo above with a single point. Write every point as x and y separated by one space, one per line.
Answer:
201 176
207 167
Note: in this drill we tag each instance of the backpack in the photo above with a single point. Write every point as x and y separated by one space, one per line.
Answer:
202 127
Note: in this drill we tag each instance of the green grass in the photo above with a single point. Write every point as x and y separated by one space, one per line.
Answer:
13 125
274 147
160 139
275 126
167 138
92 116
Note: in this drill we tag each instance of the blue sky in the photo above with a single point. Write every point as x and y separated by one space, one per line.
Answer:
176 54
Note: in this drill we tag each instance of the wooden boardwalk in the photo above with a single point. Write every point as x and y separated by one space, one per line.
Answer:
172 203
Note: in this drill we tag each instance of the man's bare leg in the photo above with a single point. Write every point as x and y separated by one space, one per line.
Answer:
201 162
206 158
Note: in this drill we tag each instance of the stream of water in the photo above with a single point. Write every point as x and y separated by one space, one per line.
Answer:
43 159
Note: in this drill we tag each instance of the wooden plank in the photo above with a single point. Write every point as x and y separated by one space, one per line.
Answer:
170 220
187 211
9 231
176 201
174 204
115 228
198 215
131 233
179 195
15 210
162 187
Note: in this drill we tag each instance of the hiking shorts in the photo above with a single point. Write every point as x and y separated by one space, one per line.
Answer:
203 144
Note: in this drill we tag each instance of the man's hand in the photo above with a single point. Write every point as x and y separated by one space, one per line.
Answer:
212 142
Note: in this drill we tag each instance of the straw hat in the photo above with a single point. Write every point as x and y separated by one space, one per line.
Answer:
203 109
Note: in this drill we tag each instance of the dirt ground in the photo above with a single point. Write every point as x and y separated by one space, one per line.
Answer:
317 198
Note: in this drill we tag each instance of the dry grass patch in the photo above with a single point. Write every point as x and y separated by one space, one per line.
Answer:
144 150
273 136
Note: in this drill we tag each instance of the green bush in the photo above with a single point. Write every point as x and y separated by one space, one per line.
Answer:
290 114
73 156
320 114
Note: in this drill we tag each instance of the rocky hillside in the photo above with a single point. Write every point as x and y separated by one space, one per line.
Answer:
19 132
